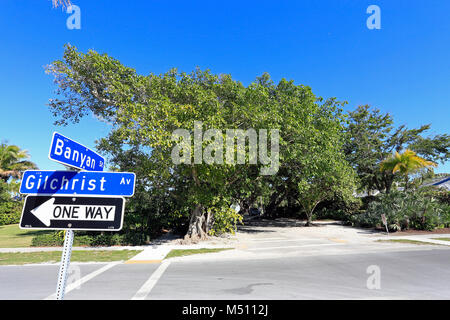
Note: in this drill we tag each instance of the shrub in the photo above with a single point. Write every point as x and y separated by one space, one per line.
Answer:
117 239
337 209
54 239
131 239
10 212
406 210
442 196
367 200
224 221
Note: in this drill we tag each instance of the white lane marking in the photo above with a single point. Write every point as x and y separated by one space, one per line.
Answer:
308 245
286 240
85 279
263 239
147 287
381 298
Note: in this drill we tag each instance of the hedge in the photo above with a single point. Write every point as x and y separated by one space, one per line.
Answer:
10 212
56 239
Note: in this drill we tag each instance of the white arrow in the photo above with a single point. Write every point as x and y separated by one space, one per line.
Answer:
49 211
44 211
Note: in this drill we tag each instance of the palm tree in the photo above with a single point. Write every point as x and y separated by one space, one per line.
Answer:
64 3
405 163
12 161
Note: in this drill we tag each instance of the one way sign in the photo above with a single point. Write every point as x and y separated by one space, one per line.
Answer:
75 213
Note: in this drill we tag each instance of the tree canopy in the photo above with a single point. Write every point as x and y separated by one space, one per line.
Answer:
406 163
372 137
13 161
145 110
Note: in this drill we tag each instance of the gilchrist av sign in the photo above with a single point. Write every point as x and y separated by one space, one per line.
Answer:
78 183
80 213
74 154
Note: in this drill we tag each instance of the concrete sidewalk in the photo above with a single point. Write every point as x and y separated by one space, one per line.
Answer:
269 236
157 253
423 238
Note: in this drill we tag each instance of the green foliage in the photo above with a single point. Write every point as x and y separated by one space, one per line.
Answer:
435 149
12 161
20 258
339 209
106 239
442 196
371 138
406 210
56 239
405 163
10 210
146 109
53 239
319 149
225 221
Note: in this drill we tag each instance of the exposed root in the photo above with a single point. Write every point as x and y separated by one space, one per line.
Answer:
194 239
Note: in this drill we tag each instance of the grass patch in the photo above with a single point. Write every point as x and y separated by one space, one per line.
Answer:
185 252
409 241
443 239
20 258
11 236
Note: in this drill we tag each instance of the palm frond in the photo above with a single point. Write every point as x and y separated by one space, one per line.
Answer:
12 161
63 3
405 163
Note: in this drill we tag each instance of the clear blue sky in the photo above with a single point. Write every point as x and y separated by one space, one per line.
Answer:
404 68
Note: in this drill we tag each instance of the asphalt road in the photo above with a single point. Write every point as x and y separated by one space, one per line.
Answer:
405 274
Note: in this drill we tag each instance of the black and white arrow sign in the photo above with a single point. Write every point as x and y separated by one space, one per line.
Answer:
76 213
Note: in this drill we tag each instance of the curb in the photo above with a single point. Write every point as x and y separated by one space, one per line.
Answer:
157 255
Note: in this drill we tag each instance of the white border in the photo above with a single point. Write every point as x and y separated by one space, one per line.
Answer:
73 229
78 194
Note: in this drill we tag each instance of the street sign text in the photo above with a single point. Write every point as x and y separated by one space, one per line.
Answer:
73 154
76 213
81 183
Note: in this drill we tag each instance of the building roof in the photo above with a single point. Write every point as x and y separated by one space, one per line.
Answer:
440 183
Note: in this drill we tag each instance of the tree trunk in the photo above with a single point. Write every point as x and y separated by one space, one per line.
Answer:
309 219
197 226
309 213
209 221
388 188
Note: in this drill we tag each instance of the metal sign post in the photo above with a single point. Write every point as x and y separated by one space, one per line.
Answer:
65 263
85 198
383 218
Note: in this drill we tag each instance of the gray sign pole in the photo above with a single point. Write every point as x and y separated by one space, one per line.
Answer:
65 262
64 267
383 217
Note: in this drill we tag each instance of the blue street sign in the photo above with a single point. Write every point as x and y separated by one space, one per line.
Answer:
78 183
73 154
